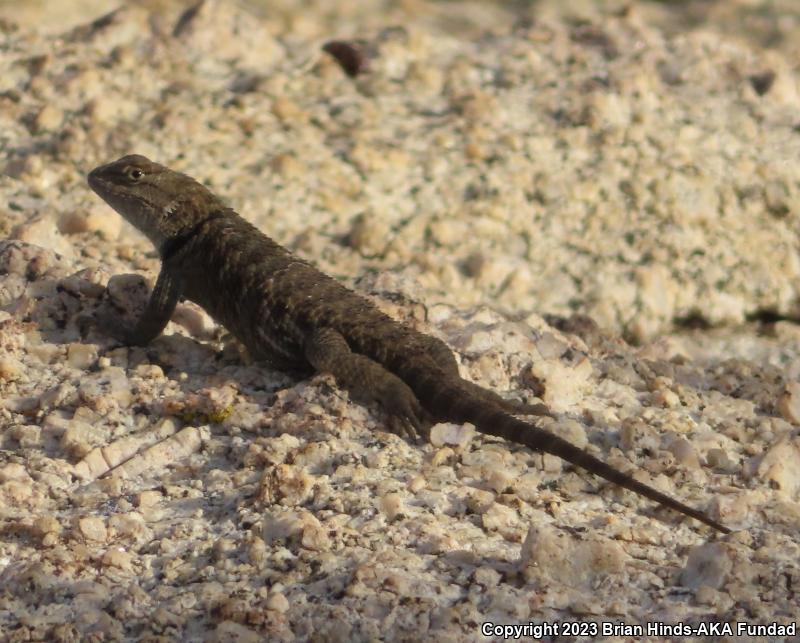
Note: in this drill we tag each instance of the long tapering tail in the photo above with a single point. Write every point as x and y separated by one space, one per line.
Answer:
448 403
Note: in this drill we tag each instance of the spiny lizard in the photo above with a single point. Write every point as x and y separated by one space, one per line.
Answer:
287 312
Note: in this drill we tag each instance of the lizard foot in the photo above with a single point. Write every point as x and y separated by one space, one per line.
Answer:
405 411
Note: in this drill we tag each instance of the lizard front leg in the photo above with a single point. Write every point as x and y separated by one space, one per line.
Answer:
157 313
366 380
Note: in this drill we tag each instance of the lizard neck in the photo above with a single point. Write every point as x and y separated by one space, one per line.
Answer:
173 245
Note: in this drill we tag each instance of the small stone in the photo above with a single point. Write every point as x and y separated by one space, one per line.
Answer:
684 453
148 498
487 576
15 493
286 484
118 558
552 463
550 346
720 460
257 552
762 81
442 456
10 368
92 528
458 435
149 371
572 431
526 486
13 471
499 480
278 602
45 525
130 525
314 536
479 501
665 398
417 483
287 111
369 234
97 219
29 436
195 320
708 564
499 518
391 504
49 118
551 554
350 54
40 231
789 403
81 356
780 467
80 437
288 166
105 389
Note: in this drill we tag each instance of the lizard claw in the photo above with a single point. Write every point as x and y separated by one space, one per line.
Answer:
405 411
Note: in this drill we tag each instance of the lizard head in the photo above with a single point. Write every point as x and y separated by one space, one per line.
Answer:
158 201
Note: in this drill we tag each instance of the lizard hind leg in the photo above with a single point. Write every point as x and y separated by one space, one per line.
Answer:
366 380
443 357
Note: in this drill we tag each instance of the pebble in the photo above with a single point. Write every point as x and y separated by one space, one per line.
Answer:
40 231
684 453
720 460
92 528
550 553
118 558
780 467
278 602
287 485
81 356
10 368
708 565
789 403
457 435
392 505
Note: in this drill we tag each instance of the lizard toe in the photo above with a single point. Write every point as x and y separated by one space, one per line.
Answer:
405 410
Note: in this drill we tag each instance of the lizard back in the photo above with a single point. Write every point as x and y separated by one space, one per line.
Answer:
269 298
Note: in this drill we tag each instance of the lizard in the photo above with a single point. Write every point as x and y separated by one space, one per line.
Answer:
299 319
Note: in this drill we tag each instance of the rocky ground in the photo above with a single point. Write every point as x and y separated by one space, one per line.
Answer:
495 174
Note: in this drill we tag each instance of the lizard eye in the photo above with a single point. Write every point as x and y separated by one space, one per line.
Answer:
134 173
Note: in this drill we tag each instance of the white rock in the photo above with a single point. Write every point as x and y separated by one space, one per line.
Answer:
780 466
549 553
789 403
458 435
708 564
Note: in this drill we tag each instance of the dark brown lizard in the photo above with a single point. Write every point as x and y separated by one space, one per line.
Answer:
287 312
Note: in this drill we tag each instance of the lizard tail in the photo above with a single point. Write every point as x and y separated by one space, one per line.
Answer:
450 404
